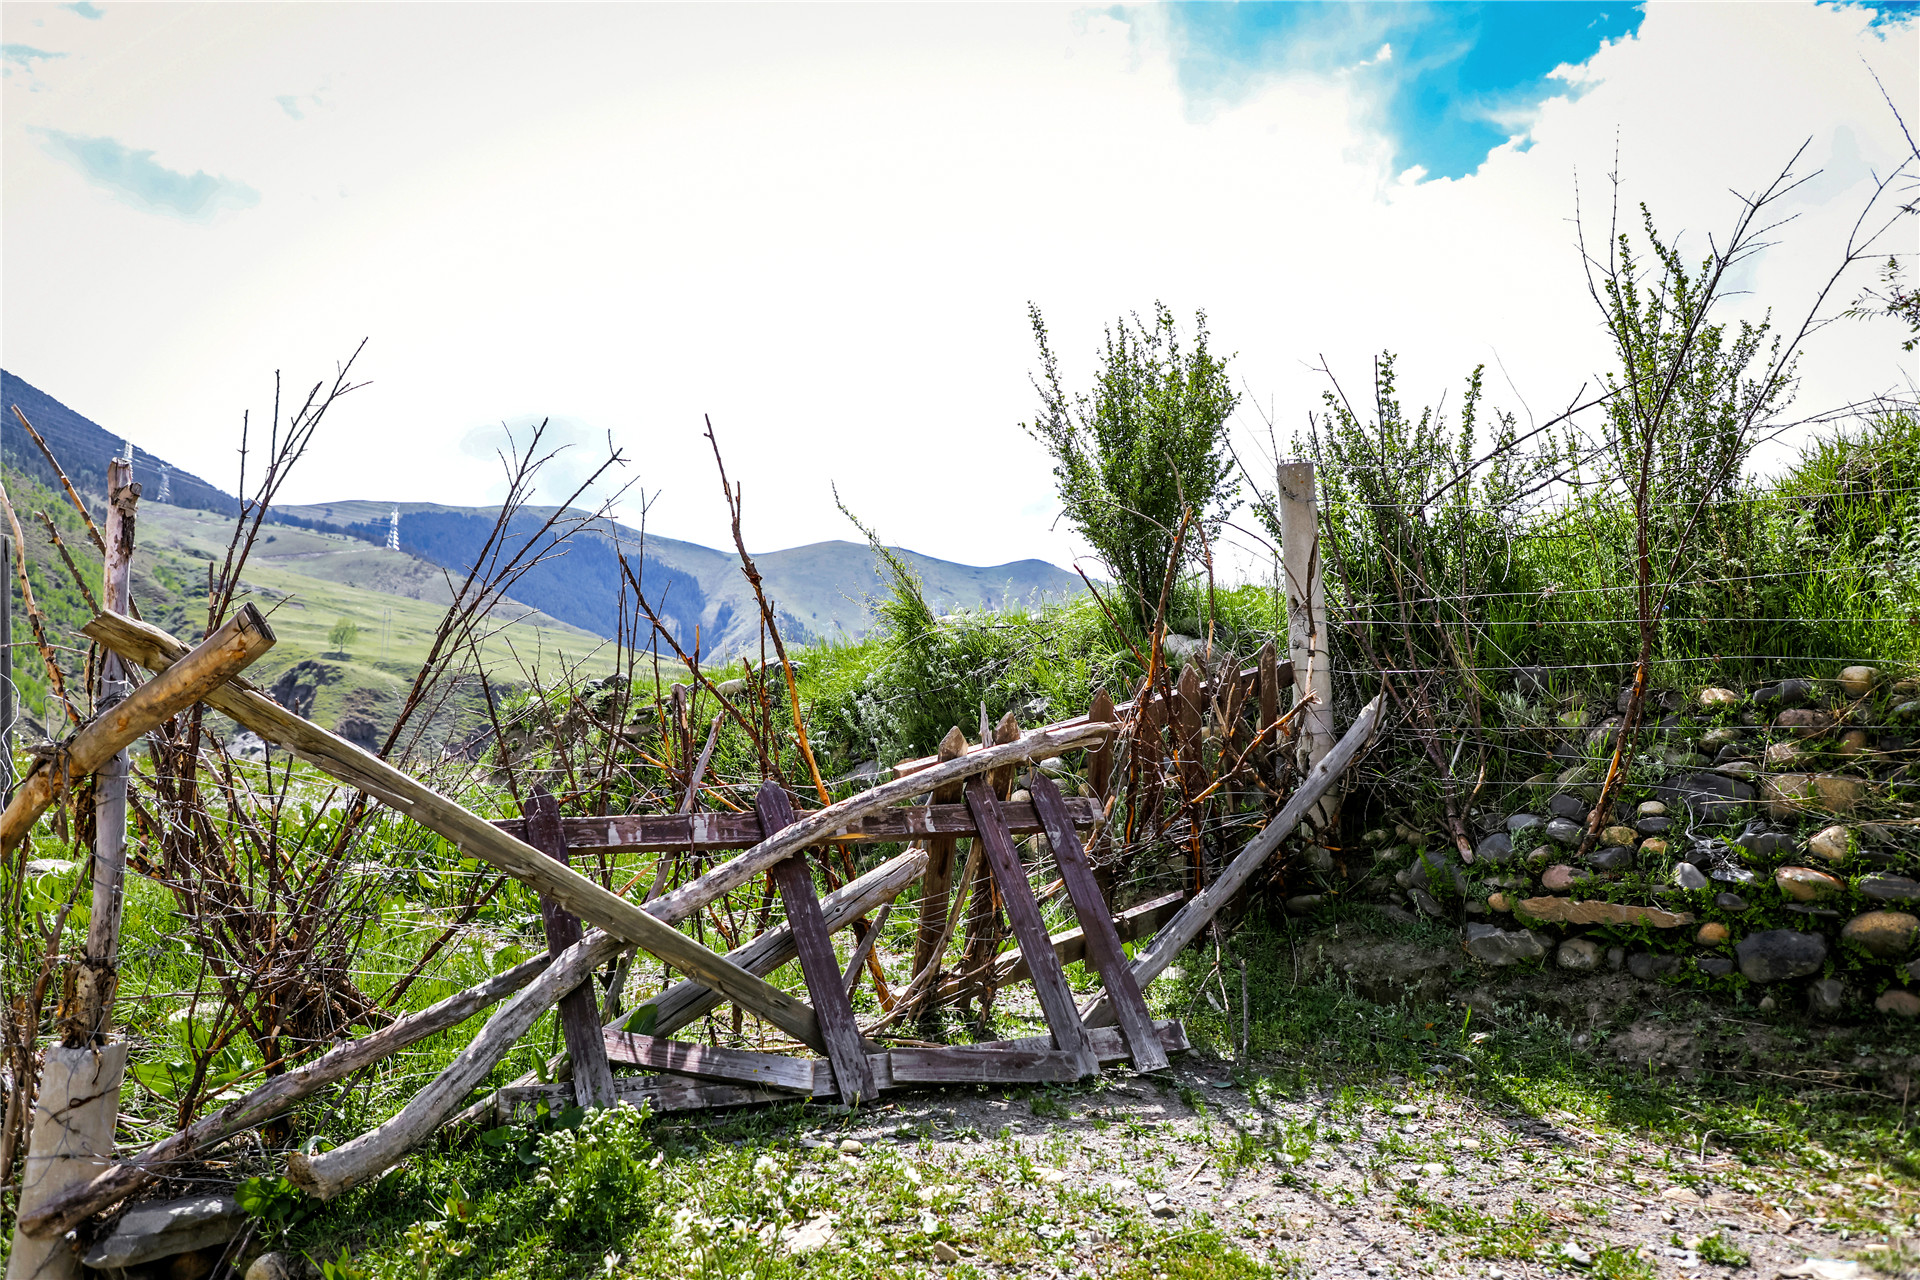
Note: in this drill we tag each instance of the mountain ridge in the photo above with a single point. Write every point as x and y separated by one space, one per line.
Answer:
819 590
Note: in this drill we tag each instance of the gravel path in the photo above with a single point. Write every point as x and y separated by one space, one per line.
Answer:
1412 1180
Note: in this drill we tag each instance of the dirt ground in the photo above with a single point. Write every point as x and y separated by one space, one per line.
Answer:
1411 1180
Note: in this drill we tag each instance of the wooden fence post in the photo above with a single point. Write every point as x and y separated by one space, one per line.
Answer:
99 971
579 1014
1306 614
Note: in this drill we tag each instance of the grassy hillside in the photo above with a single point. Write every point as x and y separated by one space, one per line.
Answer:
306 582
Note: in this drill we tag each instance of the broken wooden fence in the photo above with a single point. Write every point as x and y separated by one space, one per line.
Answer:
589 925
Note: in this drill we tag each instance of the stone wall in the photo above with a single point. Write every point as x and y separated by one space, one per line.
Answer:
1766 839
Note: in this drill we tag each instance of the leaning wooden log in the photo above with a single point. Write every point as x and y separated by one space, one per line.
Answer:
116 1183
822 823
1201 910
649 927
328 1173
196 675
721 832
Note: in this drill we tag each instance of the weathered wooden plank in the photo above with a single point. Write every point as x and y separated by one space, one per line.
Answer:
520 1104
1104 952
686 1001
675 1093
814 943
1107 1042
1023 917
1194 917
650 927
579 1016
719 832
705 1062
1071 944
960 1065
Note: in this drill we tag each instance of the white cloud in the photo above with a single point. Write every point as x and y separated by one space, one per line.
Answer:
823 225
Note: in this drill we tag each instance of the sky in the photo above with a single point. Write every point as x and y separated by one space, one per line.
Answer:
822 225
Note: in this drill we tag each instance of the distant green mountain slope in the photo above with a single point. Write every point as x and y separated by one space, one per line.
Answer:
820 591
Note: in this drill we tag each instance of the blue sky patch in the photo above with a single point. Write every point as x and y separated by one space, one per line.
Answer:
136 179
86 9
1449 82
1886 13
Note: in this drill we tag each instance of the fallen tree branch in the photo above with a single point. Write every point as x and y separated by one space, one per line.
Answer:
328 1173
121 1180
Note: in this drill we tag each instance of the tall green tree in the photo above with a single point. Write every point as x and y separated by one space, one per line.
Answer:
1145 444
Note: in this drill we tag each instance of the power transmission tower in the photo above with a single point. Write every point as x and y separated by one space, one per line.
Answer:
393 531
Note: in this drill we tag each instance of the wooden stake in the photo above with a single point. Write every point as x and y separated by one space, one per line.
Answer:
1023 916
6 667
579 1017
1184 726
72 1141
99 971
1269 680
982 899
831 1006
1306 609
1099 767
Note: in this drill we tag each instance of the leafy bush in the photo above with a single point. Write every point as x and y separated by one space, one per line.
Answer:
1145 445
